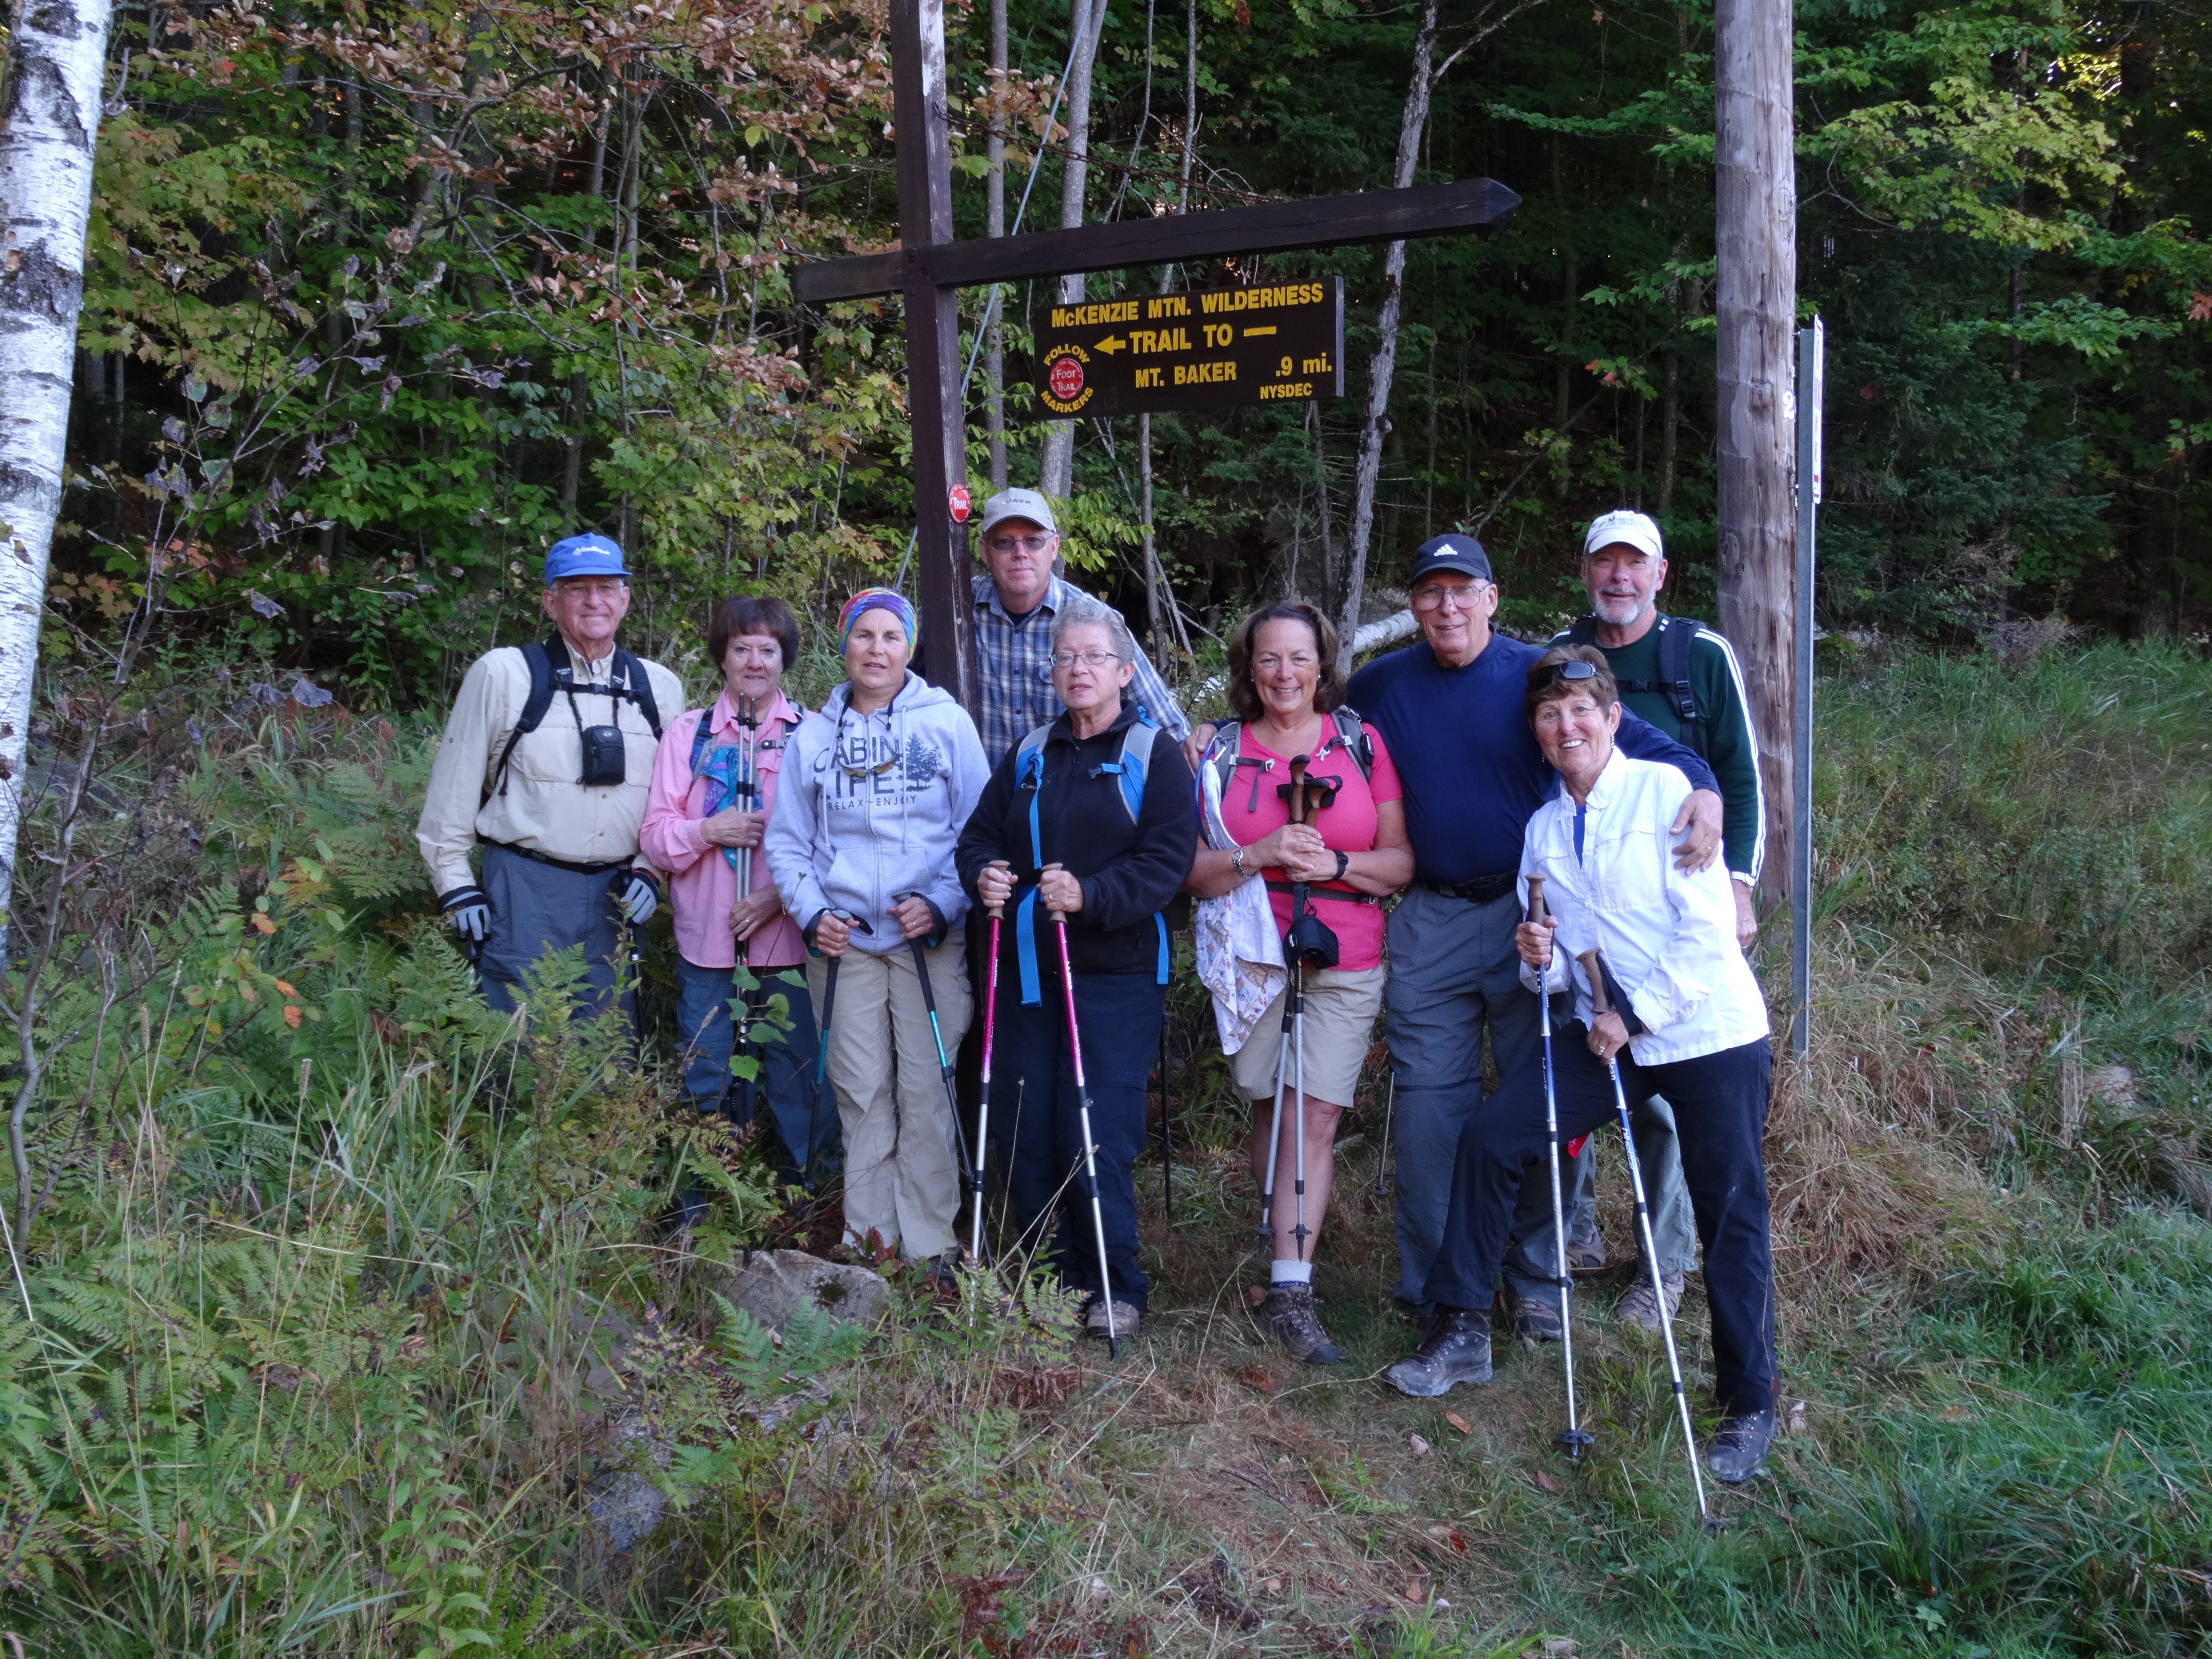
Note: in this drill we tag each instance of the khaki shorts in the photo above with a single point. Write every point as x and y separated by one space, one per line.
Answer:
1339 1028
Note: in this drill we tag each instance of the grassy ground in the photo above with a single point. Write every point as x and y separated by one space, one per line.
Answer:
321 1357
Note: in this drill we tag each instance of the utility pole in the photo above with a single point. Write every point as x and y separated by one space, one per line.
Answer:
1755 310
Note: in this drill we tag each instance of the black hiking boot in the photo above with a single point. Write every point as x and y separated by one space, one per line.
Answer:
1740 1447
1455 1349
1288 1315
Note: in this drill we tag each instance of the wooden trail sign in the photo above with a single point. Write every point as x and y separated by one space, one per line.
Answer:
1215 347
928 268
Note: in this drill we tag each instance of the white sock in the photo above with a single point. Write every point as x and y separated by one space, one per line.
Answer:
1291 1272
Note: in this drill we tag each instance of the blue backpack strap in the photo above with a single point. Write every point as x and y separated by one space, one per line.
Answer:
1160 921
699 740
1029 774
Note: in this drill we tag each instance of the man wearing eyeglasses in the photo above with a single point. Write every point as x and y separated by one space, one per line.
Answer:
545 767
1449 708
1015 605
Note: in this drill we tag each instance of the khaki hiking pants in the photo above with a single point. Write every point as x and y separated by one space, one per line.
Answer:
901 1173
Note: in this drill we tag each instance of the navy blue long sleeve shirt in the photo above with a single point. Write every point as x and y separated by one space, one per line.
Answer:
1469 765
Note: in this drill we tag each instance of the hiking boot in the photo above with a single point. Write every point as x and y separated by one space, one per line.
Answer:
1585 1255
1740 1447
1126 1319
1639 1307
1288 1315
1536 1315
1455 1349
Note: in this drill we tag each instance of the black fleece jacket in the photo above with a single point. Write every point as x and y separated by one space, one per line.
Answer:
1127 871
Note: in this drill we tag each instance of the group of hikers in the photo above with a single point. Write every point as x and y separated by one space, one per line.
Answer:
1584 818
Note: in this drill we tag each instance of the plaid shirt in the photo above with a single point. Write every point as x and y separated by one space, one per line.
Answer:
1013 661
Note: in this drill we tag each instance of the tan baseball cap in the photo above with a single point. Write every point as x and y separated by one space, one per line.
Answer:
1628 527
1030 504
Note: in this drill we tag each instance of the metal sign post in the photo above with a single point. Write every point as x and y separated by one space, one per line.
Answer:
1811 364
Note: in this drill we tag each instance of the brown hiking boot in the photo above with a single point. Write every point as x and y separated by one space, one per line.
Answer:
1288 1315
1637 1306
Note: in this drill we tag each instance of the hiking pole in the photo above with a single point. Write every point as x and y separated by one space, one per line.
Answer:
1382 1186
1089 1148
1308 943
1572 1438
1594 969
1167 1146
967 1171
822 1045
983 1108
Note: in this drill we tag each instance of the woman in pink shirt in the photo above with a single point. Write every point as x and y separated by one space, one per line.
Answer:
703 825
1287 695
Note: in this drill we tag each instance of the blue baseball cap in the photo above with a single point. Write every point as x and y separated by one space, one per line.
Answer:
583 555
1454 554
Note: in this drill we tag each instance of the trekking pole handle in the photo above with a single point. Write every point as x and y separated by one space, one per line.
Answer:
1299 763
998 912
1594 970
1058 917
1536 912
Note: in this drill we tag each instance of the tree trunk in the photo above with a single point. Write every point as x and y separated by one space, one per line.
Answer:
1755 311
1374 427
1087 20
995 224
57 56
579 385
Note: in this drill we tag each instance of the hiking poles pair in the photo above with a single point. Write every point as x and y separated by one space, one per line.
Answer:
1083 1118
822 1043
1594 969
971 1172
1309 941
746 792
998 913
1572 1438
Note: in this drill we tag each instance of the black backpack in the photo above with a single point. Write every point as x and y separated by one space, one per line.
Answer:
1676 635
627 680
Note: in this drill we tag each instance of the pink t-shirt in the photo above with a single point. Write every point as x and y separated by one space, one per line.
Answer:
701 886
1346 824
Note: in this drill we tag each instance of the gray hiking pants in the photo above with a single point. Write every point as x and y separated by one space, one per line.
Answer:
538 909
1454 974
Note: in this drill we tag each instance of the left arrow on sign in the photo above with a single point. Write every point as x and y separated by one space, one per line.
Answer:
1112 343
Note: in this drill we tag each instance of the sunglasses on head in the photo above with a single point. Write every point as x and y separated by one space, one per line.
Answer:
1577 669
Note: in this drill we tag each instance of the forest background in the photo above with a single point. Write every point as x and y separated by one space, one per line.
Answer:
380 300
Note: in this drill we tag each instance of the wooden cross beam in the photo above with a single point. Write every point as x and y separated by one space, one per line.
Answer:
930 269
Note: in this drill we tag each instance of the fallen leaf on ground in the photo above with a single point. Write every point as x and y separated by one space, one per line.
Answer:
1956 1414
1254 1295
1257 1378
1458 1543
1458 1422
1545 1481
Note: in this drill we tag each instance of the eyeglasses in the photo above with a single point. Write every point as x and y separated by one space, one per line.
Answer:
1463 598
597 588
1027 543
1088 659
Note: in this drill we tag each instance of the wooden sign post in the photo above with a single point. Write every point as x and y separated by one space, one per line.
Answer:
928 268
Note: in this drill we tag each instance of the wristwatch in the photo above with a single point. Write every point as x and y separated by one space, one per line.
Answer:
1236 860
1343 863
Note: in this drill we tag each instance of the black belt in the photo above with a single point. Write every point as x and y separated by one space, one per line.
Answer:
558 864
1314 890
1482 890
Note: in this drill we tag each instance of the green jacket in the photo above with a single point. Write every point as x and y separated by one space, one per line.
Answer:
1723 714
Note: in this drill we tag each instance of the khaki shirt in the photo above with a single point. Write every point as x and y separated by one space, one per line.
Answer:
545 808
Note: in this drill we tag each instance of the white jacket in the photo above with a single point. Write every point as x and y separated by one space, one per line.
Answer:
869 805
1668 936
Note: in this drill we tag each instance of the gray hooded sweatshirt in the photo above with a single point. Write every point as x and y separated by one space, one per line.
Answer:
871 804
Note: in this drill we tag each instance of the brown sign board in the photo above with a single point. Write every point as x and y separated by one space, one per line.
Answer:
1219 348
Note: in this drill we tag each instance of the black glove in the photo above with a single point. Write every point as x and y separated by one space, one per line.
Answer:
640 899
469 911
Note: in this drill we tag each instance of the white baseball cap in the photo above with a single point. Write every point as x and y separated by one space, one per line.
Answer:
1029 504
1631 528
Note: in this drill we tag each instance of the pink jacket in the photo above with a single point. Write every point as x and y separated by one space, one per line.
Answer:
702 884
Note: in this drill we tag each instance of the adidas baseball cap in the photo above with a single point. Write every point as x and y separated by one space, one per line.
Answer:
583 555
1452 554
1631 529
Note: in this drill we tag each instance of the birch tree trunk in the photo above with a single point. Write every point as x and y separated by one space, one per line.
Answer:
1088 20
1374 426
1755 307
56 57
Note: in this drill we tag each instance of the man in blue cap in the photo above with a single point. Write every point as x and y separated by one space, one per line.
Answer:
544 765
1450 706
